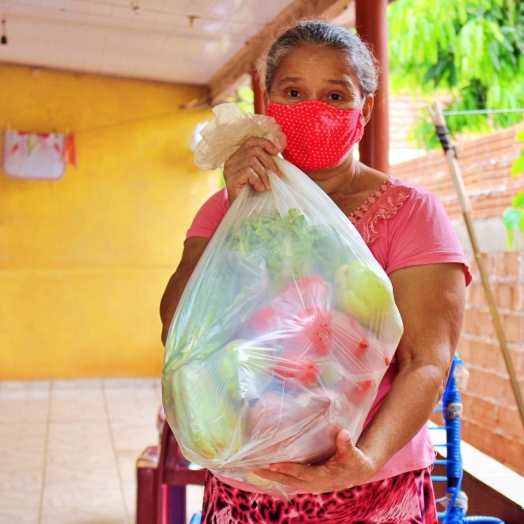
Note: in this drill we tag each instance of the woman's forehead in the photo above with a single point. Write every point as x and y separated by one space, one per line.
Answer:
317 62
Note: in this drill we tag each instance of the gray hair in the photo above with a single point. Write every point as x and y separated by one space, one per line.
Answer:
360 58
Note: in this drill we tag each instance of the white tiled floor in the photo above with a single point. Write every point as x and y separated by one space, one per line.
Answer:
68 450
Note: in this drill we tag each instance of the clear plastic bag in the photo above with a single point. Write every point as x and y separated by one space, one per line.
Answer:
284 330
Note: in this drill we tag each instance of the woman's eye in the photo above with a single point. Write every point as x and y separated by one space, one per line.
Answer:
293 93
335 97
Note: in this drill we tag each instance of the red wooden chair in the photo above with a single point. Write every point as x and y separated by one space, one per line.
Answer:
162 476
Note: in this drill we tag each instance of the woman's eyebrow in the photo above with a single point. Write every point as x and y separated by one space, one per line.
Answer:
344 83
289 79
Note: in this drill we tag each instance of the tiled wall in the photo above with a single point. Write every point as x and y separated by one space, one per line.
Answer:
491 420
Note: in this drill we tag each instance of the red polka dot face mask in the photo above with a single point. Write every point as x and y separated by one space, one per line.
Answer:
318 135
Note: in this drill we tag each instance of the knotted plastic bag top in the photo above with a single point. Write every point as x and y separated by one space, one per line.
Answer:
230 128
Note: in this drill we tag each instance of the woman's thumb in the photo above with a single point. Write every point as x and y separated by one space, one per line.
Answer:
343 441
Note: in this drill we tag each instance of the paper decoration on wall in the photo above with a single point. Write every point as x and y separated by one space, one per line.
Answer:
69 155
38 155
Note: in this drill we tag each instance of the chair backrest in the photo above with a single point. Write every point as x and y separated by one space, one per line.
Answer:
175 469
455 500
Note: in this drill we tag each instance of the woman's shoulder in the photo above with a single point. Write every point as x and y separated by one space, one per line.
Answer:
395 205
219 199
418 200
415 190
209 215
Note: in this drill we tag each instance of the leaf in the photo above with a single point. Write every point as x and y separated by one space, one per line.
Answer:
520 136
518 165
518 201
511 217
521 224
469 50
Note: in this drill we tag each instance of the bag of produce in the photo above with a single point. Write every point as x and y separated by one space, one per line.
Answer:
284 330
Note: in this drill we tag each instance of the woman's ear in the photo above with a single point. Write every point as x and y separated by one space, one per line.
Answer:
368 108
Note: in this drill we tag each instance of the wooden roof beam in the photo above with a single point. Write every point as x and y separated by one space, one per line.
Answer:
228 75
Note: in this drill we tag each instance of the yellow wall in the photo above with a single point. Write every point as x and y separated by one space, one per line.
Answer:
84 260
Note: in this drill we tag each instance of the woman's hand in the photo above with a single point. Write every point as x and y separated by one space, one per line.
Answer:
248 166
348 467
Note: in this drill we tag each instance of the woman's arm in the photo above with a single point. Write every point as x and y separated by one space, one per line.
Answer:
431 302
193 249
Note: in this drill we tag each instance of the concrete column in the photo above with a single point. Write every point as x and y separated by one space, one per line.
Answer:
371 23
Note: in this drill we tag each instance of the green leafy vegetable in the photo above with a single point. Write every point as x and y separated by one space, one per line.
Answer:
208 337
285 246
288 244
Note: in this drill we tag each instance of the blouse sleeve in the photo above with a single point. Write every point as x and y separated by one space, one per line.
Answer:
422 233
209 216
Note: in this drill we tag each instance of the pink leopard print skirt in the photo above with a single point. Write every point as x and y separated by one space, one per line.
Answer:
405 499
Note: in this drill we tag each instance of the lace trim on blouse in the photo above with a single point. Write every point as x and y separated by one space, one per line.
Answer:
383 204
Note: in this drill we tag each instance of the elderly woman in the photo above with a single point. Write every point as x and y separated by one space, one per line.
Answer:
320 80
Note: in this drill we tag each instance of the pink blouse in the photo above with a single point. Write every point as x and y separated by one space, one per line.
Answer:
403 225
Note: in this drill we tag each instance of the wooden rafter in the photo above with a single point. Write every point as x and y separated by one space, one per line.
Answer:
242 63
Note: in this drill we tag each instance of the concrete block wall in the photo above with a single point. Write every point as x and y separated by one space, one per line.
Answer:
491 421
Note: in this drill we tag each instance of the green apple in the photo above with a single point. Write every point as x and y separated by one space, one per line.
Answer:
363 293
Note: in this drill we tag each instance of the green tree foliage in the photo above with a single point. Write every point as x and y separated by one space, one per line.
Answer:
513 217
244 98
472 50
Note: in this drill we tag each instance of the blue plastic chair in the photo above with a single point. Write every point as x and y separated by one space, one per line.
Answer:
196 518
455 501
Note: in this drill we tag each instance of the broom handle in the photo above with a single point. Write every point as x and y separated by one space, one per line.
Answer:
465 204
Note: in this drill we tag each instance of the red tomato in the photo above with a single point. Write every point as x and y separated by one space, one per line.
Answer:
295 365
348 333
356 392
315 325
305 293
263 321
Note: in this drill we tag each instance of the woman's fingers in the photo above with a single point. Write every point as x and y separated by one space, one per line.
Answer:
257 176
265 150
248 165
262 143
348 467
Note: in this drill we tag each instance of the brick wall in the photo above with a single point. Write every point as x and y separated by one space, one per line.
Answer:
485 164
491 421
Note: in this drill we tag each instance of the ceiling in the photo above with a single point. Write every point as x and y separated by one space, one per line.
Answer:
182 41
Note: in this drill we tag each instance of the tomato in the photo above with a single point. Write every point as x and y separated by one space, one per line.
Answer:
348 333
356 392
264 321
296 366
305 293
315 325
301 313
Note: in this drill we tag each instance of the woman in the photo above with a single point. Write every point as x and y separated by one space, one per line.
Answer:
320 80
